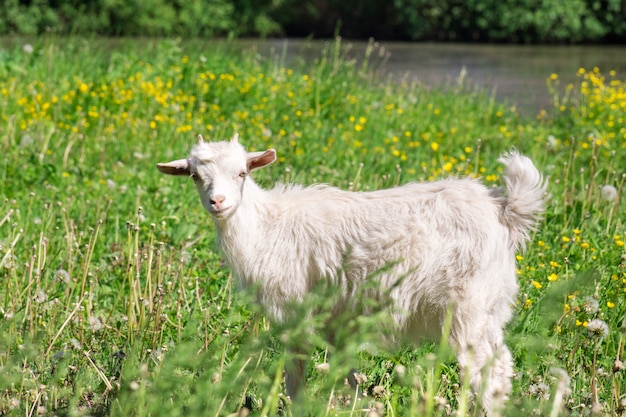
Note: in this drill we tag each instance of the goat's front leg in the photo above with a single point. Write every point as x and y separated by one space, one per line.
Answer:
295 371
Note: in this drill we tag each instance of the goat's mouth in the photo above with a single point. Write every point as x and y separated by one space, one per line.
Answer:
220 212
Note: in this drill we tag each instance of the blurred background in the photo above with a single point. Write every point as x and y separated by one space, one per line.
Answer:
509 46
510 21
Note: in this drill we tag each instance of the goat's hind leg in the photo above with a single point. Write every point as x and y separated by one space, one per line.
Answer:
485 362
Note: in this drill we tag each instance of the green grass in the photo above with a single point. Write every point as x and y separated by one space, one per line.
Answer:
114 300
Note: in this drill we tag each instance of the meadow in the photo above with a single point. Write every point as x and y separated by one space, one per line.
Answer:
114 300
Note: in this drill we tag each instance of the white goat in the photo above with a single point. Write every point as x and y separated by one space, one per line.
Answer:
440 245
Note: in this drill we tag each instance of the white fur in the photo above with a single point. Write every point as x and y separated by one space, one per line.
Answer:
451 243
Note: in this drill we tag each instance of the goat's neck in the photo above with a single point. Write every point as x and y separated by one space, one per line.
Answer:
239 235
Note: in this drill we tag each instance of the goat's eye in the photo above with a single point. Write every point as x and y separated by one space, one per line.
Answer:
243 174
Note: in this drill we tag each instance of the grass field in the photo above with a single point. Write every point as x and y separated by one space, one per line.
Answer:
113 297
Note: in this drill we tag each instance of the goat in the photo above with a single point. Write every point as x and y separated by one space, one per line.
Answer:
441 245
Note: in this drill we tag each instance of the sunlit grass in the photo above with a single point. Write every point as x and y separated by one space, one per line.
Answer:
115 301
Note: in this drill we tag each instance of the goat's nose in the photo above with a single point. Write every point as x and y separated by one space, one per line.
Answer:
217 200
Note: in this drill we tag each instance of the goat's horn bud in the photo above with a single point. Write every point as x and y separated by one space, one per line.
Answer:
200 139
235 138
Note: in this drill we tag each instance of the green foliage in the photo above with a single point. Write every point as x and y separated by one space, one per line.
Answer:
27 18
115 301
552 21
353 19
523 21
195 18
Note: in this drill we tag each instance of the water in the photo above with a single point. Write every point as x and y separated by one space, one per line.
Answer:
516 73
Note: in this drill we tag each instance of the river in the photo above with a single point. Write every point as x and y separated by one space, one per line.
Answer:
515 73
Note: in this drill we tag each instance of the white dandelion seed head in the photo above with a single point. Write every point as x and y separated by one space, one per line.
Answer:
186 257
13 403
62 275
608 192
540 390
76 344
598 328
10 261
400 370
95 324
591 305
379 391
28 48
40 297
26 140
323 368
552 142
360 378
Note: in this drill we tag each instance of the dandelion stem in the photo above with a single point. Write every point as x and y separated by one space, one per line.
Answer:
65 323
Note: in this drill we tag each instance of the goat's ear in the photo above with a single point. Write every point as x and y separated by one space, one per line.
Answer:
178 167
235 138
260 159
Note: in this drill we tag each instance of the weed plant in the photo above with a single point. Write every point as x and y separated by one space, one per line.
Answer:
113 297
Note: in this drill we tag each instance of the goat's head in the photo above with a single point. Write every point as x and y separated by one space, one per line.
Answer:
219 171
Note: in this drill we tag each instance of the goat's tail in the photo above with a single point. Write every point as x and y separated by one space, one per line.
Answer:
524 204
